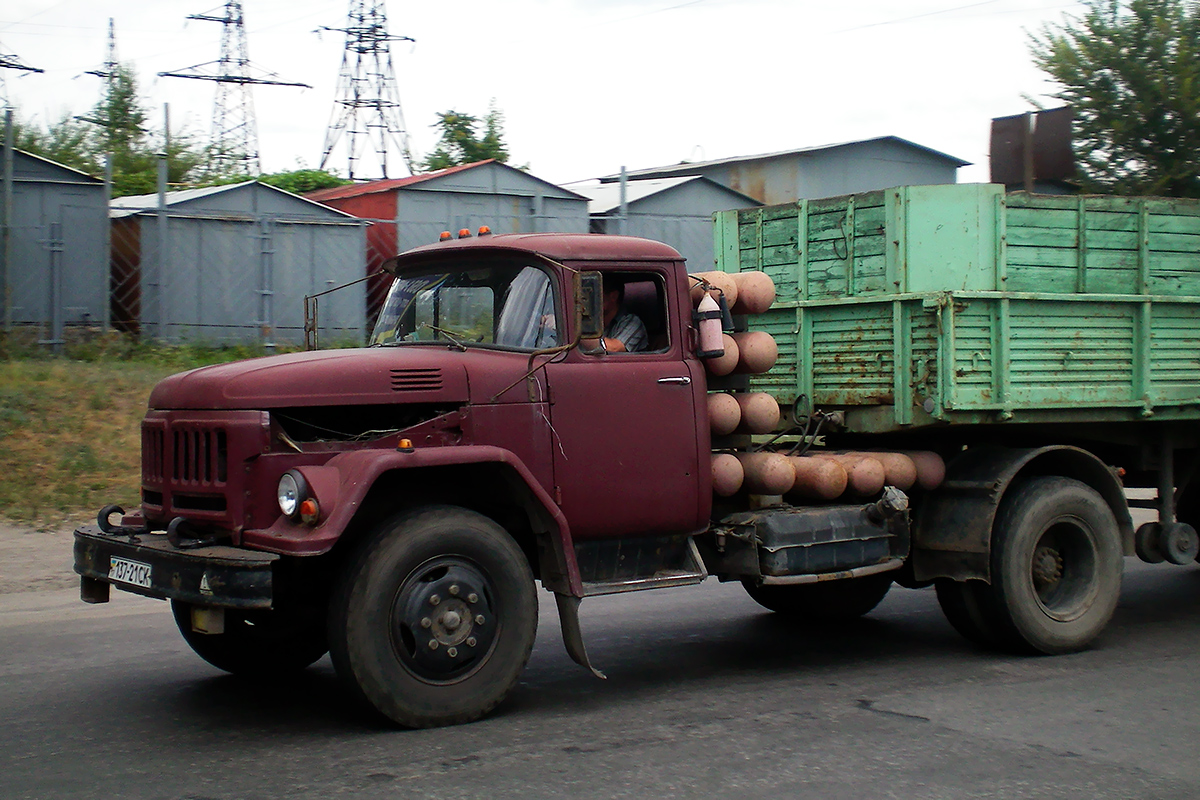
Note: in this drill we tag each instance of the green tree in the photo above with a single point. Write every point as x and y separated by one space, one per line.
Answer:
461 141
300 181
116 125
1131 70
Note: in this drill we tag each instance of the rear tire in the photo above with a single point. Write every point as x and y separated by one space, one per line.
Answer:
433 621
256 643
848 598
1056 566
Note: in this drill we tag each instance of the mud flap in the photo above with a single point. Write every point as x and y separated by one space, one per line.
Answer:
568 617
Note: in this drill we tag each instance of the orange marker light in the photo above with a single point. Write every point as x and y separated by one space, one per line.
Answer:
464 233
445 235
484 230
310 512
405 445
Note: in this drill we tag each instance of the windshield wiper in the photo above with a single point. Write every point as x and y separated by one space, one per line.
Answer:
448 334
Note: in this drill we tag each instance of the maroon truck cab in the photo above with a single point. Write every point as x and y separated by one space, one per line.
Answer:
394 504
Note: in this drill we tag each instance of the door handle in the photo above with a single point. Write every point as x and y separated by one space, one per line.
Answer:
680 381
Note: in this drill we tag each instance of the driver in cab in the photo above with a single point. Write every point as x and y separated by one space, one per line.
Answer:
624 332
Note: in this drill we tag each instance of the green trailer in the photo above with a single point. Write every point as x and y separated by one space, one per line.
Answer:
1047 347
933 305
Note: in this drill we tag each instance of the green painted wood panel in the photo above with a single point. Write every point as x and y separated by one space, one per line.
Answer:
991 307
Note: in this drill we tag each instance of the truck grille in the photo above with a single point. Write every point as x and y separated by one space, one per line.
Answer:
416 380
201 456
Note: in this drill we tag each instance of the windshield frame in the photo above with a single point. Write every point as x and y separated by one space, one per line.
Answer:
471 261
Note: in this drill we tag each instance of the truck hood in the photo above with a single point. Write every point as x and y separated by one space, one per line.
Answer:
374 376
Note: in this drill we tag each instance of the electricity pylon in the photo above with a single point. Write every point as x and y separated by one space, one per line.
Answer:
366 110
234 129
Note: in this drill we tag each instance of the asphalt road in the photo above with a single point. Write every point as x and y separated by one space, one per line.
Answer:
708 696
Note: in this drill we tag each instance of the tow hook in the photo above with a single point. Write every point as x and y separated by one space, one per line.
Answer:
106 526
183 535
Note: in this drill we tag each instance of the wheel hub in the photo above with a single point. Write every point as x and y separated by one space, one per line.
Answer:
1047 567
443 624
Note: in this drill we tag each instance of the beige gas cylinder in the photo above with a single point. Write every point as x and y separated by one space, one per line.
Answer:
864 474
767 473
755 292
817 478
757 352
760 412
724 413
727 474
723 365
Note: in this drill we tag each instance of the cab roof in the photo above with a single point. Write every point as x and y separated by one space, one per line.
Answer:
558 246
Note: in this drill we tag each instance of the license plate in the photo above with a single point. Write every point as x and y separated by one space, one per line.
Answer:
123 570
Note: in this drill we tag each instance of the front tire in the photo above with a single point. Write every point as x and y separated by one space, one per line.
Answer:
848 598
257 643
1056 566
434 620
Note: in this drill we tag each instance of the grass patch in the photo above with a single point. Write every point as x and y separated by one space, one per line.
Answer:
70 425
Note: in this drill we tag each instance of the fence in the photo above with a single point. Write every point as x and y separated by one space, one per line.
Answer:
178 275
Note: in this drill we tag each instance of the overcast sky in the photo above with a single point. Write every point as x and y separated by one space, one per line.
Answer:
586 86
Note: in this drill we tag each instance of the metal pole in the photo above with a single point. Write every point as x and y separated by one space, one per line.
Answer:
106 303
55 312
5 290
266 293
621 225
161 267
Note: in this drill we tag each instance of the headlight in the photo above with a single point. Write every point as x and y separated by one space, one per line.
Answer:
291 492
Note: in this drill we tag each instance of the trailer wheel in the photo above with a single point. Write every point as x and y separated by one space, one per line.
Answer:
844 599
434 620
256 643
1056 565
965 606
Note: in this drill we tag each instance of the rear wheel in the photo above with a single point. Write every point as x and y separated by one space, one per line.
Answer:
1056 566
257 643
830 600
433 622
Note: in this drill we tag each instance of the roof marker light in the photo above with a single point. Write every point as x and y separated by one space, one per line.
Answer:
484 230
464 233
444 237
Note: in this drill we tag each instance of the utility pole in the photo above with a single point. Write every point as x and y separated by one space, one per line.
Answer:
234 129
366 110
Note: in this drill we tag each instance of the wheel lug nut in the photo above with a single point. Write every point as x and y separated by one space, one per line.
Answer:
452 652
479 619
470 641
454 589
472 598
434 600
433 645
426 622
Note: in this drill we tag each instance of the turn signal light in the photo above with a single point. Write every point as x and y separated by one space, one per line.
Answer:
310 512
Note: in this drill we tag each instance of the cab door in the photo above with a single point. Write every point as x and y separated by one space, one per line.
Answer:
629 430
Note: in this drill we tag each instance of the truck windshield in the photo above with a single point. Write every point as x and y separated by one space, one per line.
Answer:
505 305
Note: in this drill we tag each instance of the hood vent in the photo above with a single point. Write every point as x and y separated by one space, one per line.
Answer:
416 380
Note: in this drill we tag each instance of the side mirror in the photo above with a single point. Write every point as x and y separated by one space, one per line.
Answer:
589 306
389 266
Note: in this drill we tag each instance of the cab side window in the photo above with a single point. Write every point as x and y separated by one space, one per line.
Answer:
640 321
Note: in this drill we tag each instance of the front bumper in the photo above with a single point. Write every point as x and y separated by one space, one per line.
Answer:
149 565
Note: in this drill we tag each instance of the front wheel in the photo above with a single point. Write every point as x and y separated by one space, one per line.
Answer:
434 620
1056 566
843 599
